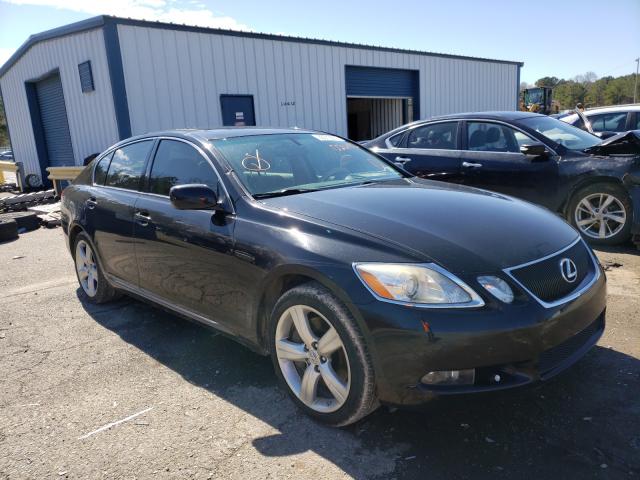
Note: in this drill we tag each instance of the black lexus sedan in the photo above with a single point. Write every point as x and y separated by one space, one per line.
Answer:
364 284
594 184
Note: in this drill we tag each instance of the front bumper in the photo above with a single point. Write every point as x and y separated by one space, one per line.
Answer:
523 343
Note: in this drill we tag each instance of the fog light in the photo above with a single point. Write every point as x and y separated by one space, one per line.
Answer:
450 377
497 287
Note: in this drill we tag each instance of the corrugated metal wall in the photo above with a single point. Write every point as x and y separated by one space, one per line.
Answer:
91 115
175 79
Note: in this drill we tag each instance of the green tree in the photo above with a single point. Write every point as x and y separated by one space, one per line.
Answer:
4 131
547 82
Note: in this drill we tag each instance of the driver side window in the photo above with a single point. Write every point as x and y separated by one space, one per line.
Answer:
177 163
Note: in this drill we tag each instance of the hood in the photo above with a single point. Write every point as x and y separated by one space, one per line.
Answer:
463 229
626 143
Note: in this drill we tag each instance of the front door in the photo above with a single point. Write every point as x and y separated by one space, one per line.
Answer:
492 160
185 256
110 209
429 151
237 110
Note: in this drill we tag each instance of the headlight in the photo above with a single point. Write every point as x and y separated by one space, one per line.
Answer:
497 287
427 285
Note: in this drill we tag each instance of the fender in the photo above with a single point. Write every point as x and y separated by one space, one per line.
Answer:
270 290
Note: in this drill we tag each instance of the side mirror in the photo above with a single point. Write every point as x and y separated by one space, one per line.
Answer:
194 197
534 150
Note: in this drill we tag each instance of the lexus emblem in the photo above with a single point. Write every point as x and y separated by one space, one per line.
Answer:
568 270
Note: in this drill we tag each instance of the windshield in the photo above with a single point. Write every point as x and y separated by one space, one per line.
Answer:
269 165
562 133
534 96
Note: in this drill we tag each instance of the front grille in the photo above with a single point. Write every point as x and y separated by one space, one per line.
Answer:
544 278
551 358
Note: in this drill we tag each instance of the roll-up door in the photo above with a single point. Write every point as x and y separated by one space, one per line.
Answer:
55 126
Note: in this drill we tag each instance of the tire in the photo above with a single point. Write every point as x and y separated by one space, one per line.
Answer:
8 229
27 220
610 225
94 286
295 359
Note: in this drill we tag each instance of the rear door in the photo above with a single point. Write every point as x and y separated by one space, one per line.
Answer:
185 257
110 208
492 160
429 151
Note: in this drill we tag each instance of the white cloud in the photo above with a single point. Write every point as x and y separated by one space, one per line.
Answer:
189 12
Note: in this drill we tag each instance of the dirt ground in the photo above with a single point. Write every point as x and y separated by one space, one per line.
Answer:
196 404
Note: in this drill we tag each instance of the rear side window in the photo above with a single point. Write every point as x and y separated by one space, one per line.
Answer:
395 140
440 136
100 172
177 163
127 165
608 122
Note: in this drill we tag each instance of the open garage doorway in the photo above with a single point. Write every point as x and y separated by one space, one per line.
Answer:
368 118
379 100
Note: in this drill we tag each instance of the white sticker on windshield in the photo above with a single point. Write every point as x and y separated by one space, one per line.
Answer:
327 138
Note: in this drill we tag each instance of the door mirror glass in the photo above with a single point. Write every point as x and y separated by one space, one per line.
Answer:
194 197
534 150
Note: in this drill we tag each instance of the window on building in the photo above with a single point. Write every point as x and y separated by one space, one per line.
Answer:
434 136
177 163
127 165
86 76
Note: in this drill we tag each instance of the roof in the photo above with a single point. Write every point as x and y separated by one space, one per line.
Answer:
501 115
99 21
205 135
631 107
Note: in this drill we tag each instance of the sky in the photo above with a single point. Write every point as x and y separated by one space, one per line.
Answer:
561 38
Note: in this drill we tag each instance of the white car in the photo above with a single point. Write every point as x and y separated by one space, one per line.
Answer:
615 119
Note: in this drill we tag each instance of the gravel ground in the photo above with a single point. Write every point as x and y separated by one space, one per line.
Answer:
208 408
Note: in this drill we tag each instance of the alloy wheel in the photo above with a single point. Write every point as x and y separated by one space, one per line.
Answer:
312 358
600 215
87 268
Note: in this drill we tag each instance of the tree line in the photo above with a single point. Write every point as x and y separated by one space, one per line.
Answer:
4 132
589 90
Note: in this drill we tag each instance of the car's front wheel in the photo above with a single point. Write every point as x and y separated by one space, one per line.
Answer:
602 213
94 285
321 357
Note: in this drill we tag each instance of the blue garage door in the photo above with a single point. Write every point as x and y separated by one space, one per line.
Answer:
383 82
55 125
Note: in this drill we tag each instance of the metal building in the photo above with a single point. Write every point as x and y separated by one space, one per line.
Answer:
73 91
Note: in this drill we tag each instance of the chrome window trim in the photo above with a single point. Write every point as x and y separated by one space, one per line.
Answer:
571 296
476 299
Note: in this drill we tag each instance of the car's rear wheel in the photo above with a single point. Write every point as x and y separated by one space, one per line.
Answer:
321 357
94 285
602 213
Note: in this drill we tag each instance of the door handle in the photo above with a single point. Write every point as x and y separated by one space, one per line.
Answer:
142 218
402 159
91 203
471 165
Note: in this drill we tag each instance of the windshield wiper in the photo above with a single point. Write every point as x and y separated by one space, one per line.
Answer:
284 193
